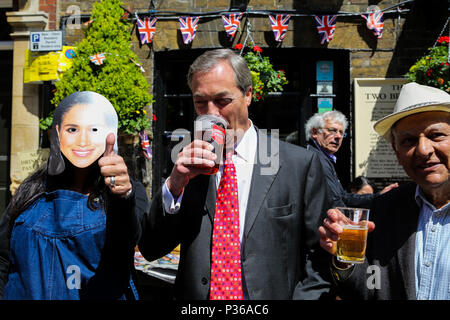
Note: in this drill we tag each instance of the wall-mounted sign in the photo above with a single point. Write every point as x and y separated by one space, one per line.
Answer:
31 161
46 41
324 71
324 104
324 87
40 66
374 157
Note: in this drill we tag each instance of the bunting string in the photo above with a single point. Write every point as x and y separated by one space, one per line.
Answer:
99 58
174 15
278 19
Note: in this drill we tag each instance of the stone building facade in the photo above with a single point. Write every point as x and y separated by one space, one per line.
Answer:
409 30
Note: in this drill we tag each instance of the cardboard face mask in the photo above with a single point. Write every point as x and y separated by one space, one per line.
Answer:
81 123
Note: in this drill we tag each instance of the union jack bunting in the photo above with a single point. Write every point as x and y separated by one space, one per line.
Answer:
147 29
188 27
375 22
231 23
325 27
97 58
280 24
145 145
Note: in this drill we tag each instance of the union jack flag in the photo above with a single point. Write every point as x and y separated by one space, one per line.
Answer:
279 24
147 29
325 27
145 145
231 23
188 27
375 22
97 58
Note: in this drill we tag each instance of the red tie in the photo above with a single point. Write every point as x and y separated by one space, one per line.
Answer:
226 280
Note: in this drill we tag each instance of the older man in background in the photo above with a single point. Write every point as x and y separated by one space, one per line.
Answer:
325 133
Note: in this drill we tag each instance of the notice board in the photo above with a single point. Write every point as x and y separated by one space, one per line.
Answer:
373 155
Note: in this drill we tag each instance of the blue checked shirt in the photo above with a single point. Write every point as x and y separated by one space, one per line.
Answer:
432 256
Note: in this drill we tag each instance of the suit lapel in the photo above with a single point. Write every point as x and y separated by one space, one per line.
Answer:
260 186
210 202
406 241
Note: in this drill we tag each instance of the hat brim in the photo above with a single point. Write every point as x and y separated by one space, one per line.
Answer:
384 125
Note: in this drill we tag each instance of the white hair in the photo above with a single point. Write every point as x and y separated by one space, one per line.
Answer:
317 121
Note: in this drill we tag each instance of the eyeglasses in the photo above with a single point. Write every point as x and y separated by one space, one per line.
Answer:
334 132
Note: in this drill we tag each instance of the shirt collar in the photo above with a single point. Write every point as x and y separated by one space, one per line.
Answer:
246 146
422 200
331 156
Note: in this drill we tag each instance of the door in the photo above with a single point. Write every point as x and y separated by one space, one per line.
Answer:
286 112
6 58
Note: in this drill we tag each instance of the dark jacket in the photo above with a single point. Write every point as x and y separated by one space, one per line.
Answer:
388 271
280 254
338 196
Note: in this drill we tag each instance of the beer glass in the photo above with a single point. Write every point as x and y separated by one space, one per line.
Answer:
351 245
212 129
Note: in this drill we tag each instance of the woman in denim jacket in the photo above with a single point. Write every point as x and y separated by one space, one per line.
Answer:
71 227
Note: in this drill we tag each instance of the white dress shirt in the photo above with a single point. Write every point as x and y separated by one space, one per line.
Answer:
243 159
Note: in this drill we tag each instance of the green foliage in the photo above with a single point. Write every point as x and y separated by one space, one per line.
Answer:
264 77
433 69
119 79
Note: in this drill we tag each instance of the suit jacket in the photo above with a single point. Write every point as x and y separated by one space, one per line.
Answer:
279 254
338 195
390 248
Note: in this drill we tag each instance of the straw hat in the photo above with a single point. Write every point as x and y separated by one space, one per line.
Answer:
413 98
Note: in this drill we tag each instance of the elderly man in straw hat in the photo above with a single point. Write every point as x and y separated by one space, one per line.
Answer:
408 249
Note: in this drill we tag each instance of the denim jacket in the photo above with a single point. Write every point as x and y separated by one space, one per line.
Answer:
61 249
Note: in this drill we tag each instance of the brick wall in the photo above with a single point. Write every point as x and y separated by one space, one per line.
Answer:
402 43
51 7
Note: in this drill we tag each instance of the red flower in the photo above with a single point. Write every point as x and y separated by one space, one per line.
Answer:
154 117
447 64
238 46
444 39
257 49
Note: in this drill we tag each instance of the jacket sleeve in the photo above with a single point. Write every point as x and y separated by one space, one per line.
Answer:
159 231
317 282
4 250
124 227
357 200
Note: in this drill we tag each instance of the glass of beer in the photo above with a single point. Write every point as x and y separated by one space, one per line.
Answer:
212 129
351 245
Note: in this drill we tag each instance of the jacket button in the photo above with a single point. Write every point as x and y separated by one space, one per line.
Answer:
204 281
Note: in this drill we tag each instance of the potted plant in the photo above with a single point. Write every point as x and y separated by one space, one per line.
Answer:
264 77
433 69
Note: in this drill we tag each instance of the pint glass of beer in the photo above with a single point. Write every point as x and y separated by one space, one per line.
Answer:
212 129
351 245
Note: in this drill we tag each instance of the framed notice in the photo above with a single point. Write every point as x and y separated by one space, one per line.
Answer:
324 71
374 157
324 104
31 161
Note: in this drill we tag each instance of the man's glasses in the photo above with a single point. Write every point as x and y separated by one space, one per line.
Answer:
334 132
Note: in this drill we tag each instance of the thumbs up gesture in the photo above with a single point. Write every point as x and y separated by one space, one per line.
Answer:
114 169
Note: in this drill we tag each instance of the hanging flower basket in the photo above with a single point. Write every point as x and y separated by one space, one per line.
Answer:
433 69
265 78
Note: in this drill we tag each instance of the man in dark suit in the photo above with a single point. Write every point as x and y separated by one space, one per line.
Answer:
281 199
324 134
408 250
